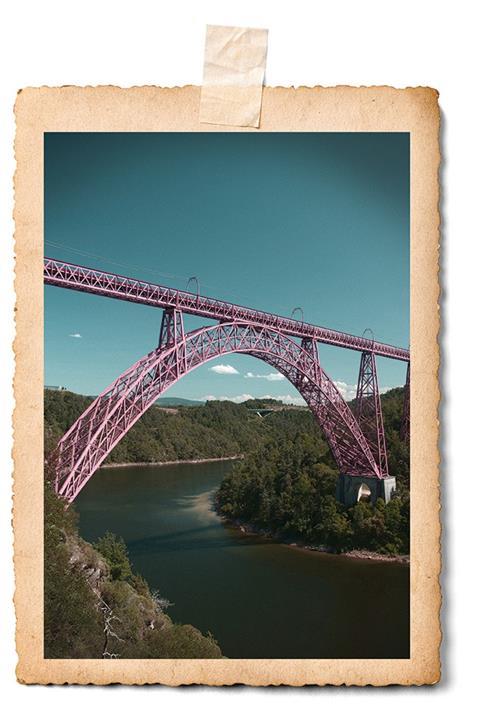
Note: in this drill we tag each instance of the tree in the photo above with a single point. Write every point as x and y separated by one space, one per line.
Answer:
114 550
72 623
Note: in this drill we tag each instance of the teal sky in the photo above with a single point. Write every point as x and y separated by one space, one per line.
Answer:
274 221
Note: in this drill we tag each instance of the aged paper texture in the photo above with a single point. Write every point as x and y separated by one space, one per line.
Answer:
413 110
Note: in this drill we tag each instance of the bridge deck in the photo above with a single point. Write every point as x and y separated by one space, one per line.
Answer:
105 284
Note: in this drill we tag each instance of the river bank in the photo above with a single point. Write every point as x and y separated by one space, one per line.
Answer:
251 530
172 463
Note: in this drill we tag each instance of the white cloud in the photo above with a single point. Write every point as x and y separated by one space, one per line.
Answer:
348 391
272 377
224 369
74 334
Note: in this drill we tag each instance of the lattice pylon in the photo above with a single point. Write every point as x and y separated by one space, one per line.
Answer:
368 411
172 333
405 427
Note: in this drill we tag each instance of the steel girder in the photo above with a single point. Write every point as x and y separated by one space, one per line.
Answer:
368 411
89 441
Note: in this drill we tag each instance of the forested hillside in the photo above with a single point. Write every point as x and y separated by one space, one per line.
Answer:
213 430
286 486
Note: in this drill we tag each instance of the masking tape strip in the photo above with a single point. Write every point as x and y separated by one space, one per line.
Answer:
233 74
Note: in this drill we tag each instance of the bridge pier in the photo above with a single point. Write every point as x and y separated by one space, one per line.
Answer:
352 489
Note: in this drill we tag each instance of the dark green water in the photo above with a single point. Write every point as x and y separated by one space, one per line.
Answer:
258 599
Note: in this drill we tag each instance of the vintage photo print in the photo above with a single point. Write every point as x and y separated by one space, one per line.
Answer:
226 463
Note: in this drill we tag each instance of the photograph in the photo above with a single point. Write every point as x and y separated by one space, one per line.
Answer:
226 395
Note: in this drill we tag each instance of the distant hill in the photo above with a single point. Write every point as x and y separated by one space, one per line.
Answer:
170 402
162 402
178 403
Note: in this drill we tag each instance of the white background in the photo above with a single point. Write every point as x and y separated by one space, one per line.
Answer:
356 43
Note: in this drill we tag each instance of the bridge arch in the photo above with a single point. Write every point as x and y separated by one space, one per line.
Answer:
97 431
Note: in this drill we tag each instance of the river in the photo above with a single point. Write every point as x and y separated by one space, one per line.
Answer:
258 598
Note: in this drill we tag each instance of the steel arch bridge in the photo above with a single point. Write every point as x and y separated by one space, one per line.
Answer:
356 438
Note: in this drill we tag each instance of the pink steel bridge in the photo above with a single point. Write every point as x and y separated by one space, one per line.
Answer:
356 437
